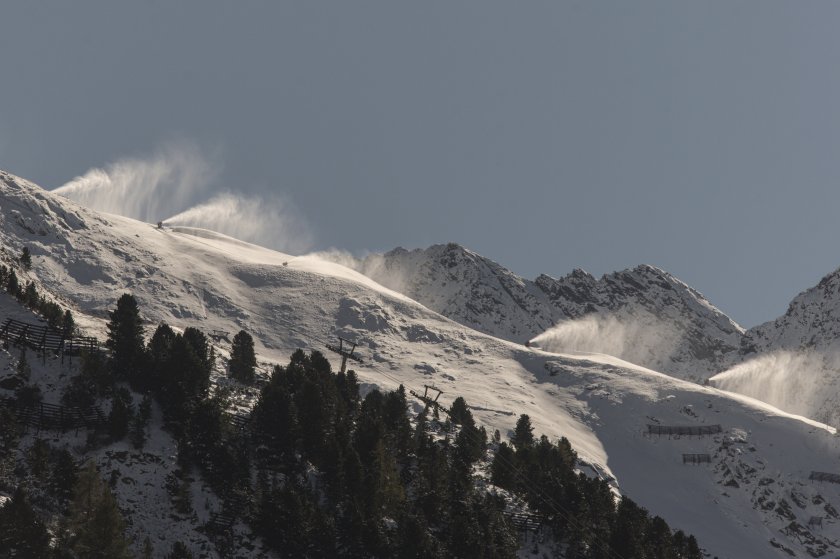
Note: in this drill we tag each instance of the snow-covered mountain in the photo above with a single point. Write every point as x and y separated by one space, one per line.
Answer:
753 500
644 315
811 322
794 361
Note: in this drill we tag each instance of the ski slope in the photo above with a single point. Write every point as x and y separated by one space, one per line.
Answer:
753 500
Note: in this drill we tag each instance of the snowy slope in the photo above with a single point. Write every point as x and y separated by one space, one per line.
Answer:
643 315
812 321
794 361
756 491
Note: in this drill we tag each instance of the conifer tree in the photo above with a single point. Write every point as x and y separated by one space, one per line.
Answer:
95 528
12 284
23 370
243 361
25 258
30 296
22 533
140 422
38 459
125 339
148 549
628 537
9 439
68 324
121 414
64 476
523 435
458 411
503 467
179 551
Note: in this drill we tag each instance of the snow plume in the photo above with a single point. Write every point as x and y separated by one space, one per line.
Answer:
174 177
180 179
794 381
642 339
339 256
271 222
373 265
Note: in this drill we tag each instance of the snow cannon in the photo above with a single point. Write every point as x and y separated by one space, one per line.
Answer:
531 344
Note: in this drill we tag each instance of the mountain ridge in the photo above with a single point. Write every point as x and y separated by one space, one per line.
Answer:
602 404
482 294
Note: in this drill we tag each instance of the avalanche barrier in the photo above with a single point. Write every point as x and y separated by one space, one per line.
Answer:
689 430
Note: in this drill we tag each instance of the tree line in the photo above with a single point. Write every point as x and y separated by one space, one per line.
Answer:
325 469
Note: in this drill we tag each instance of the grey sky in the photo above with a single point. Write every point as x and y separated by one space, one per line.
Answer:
701 137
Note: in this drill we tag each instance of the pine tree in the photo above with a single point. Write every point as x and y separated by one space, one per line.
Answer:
64 476
179 551
68 324
148 549
38 458
26 394
459 411
25 258
31 298
9 439
659 539
243 361
125 339
140 422
503 467
628 537
12 284
23 370
183 379
96 528
121 414
22 534
523 435
202 348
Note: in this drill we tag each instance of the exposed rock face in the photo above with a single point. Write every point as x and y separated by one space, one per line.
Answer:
793 362
812 322
697 340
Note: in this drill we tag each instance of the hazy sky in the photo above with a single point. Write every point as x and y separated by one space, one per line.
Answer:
700 137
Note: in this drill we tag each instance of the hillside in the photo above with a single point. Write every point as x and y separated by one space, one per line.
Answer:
643 315
793 361
753 499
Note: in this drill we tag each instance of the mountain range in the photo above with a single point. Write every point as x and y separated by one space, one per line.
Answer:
610 357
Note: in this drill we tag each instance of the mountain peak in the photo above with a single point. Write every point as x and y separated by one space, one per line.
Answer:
482 294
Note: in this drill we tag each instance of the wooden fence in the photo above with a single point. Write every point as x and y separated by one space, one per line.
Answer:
523 521
43 339
824 476
685 430
43 416
697 458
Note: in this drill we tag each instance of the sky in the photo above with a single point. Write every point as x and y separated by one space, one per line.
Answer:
699 137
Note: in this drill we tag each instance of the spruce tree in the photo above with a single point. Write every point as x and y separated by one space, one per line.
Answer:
68 325
523 435
64 476
121 414
459 411
125 339
503 467
25 258
22 533
12 284
243 361
140 422
179 551
96 528
23 370
30 296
